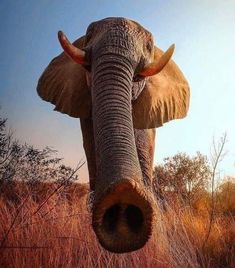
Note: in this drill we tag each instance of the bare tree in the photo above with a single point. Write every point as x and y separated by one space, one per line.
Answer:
217 155
26 163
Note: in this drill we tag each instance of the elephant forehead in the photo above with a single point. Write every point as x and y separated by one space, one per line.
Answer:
127 24
140 41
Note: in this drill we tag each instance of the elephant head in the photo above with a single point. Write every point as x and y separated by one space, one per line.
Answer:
115 78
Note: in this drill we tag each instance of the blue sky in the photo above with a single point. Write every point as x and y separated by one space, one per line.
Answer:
203 32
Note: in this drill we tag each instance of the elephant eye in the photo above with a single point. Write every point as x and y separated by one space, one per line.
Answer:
87 67
138 78
87 64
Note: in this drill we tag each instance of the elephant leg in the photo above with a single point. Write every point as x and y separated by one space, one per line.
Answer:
145 143
89 147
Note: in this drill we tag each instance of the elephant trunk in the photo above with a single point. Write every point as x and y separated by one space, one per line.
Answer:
122 207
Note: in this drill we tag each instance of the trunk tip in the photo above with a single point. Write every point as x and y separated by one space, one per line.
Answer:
123 216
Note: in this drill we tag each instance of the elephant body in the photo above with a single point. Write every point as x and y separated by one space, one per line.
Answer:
121 87
145 144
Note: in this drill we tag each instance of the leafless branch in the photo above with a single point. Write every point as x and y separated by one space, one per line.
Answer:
217 156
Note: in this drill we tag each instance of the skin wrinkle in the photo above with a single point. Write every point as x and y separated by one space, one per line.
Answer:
106 91
121 128
104 72
118 133
110 147
109 118
115 68
103 76
115 107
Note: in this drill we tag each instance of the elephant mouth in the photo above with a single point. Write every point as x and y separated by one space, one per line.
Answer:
123 217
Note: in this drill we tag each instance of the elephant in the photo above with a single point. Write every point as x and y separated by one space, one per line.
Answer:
122 87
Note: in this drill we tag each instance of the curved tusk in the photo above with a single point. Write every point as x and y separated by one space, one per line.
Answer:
73 52
156 66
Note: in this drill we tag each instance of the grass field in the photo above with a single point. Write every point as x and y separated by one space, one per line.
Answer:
44 227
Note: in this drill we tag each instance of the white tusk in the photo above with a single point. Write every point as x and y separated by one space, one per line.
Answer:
156 66
73 52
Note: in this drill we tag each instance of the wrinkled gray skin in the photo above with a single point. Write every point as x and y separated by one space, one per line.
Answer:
114 60
121 152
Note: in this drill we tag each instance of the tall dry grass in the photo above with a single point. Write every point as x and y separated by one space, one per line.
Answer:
57 233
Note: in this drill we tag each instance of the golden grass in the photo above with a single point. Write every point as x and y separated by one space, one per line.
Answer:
58 233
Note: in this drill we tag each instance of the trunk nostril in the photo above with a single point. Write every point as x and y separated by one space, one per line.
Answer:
123 217
111 218
134 218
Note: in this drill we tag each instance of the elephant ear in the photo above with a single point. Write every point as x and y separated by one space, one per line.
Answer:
63 83
165 97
